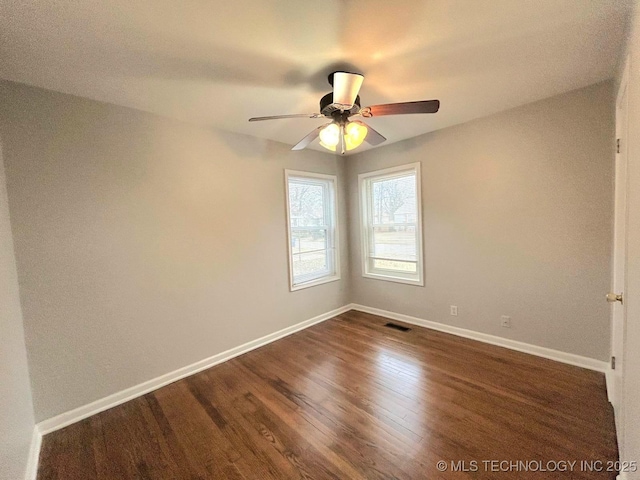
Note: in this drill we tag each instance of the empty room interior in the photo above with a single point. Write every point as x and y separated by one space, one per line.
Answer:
319 240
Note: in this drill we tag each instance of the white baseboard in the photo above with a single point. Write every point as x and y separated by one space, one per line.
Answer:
569 358
611 393
34 455
80 413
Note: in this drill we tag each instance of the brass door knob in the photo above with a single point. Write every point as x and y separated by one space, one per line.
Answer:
614 297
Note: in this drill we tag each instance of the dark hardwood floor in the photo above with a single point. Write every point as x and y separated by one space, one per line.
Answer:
351 399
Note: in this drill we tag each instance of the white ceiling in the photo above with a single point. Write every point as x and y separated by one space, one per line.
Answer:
219 62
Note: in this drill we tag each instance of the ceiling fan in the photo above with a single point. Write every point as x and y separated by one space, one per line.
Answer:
344 102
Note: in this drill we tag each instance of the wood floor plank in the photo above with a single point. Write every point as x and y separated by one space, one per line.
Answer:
376 452
307 428
350 398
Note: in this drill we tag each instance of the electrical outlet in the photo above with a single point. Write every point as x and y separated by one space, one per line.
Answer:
505 321
453 310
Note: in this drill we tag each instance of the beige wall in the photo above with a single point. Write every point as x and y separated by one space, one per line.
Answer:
16 408
144 244
630 413
517 221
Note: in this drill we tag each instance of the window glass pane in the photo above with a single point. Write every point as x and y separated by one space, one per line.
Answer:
395 266
391 224
313 254
310 263
393 200
306 204
308 240
395 242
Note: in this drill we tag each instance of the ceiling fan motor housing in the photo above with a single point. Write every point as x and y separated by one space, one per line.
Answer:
329 109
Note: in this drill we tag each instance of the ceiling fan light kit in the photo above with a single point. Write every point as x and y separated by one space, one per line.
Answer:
353 134
343 103
330 136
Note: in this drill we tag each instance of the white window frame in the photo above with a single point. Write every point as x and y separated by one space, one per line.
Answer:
366 226
333 243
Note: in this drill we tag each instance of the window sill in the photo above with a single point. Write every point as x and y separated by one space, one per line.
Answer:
390 278
313 283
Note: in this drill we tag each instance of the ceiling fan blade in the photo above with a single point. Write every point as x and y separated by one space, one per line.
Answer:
295 115
373 137
309 138
425 106
345 88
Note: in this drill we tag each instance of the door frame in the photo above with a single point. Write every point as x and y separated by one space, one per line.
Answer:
615 376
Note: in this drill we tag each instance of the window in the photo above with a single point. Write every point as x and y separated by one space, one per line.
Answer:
313 236
391 224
